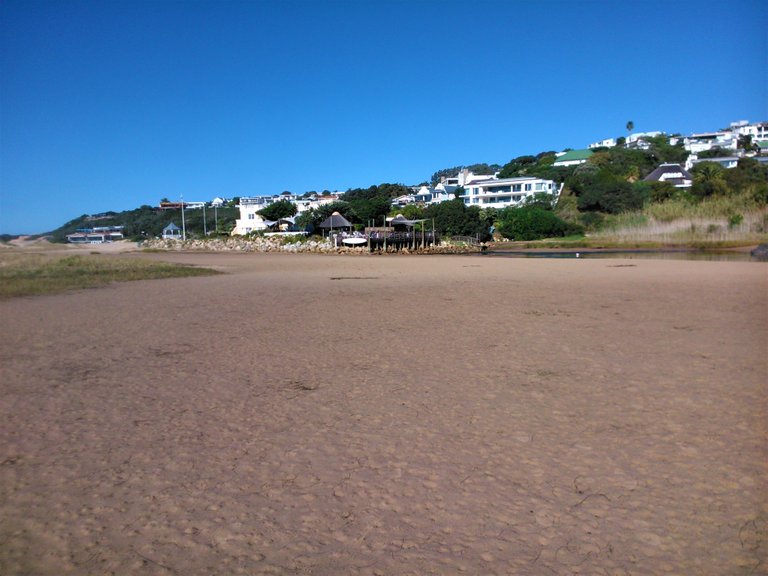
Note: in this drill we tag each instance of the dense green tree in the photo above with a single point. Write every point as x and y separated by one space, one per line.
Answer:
708 180
278 210
748 176
374 210
518 166
541 200
624 162
409 211
539 166
311 219
372 203
664 152
601 191
714 152
483 168
308 220
533 223
660 191
745 143
455 218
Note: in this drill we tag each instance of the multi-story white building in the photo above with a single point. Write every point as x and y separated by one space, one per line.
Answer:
696 143
758 130
314 202
505 192
250 220
464 178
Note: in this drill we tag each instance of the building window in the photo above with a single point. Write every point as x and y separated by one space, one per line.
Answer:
527 187
251 216
516 188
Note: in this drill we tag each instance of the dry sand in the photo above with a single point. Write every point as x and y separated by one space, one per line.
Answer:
390 415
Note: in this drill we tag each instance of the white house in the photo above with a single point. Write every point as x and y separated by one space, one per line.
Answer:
696 143
727 162
250 220
504 192
464 178
639 139
607 143
758 130
314 202
572 157
672 173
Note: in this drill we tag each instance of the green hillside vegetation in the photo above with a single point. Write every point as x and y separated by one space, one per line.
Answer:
361 206
605 197
148 222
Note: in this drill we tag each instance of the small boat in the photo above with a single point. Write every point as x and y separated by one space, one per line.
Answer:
354 241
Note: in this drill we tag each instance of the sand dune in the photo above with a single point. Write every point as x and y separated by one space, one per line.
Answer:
390 415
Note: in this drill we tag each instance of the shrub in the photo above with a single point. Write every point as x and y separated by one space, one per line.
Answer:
592 220
534 223
734 220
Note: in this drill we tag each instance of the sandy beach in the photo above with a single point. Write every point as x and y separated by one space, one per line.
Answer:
332 415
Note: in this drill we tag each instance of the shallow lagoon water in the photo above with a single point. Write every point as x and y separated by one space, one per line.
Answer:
699 255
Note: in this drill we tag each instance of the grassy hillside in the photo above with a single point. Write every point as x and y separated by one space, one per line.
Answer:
148 222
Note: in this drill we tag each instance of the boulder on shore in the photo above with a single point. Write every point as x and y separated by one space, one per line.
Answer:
761 252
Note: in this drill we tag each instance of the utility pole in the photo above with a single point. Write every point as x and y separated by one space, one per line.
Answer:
205 224
183 222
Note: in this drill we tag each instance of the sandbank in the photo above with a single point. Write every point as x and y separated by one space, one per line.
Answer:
334 415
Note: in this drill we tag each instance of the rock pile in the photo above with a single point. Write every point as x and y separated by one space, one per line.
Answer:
274 244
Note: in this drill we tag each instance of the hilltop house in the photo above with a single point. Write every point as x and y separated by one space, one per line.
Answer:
696 143
483 190
607 143
504 192
572 157
758 130
639 140
726 162
672 173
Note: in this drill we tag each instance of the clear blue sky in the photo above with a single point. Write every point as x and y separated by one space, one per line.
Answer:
108 105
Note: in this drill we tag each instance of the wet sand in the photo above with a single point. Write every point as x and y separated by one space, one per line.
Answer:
390 415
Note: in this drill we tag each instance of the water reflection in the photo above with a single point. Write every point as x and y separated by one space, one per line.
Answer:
724 256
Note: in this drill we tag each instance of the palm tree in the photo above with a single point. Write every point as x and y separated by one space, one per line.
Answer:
630 127
708 172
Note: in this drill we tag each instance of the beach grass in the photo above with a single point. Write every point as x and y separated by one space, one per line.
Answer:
680 223
30 274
